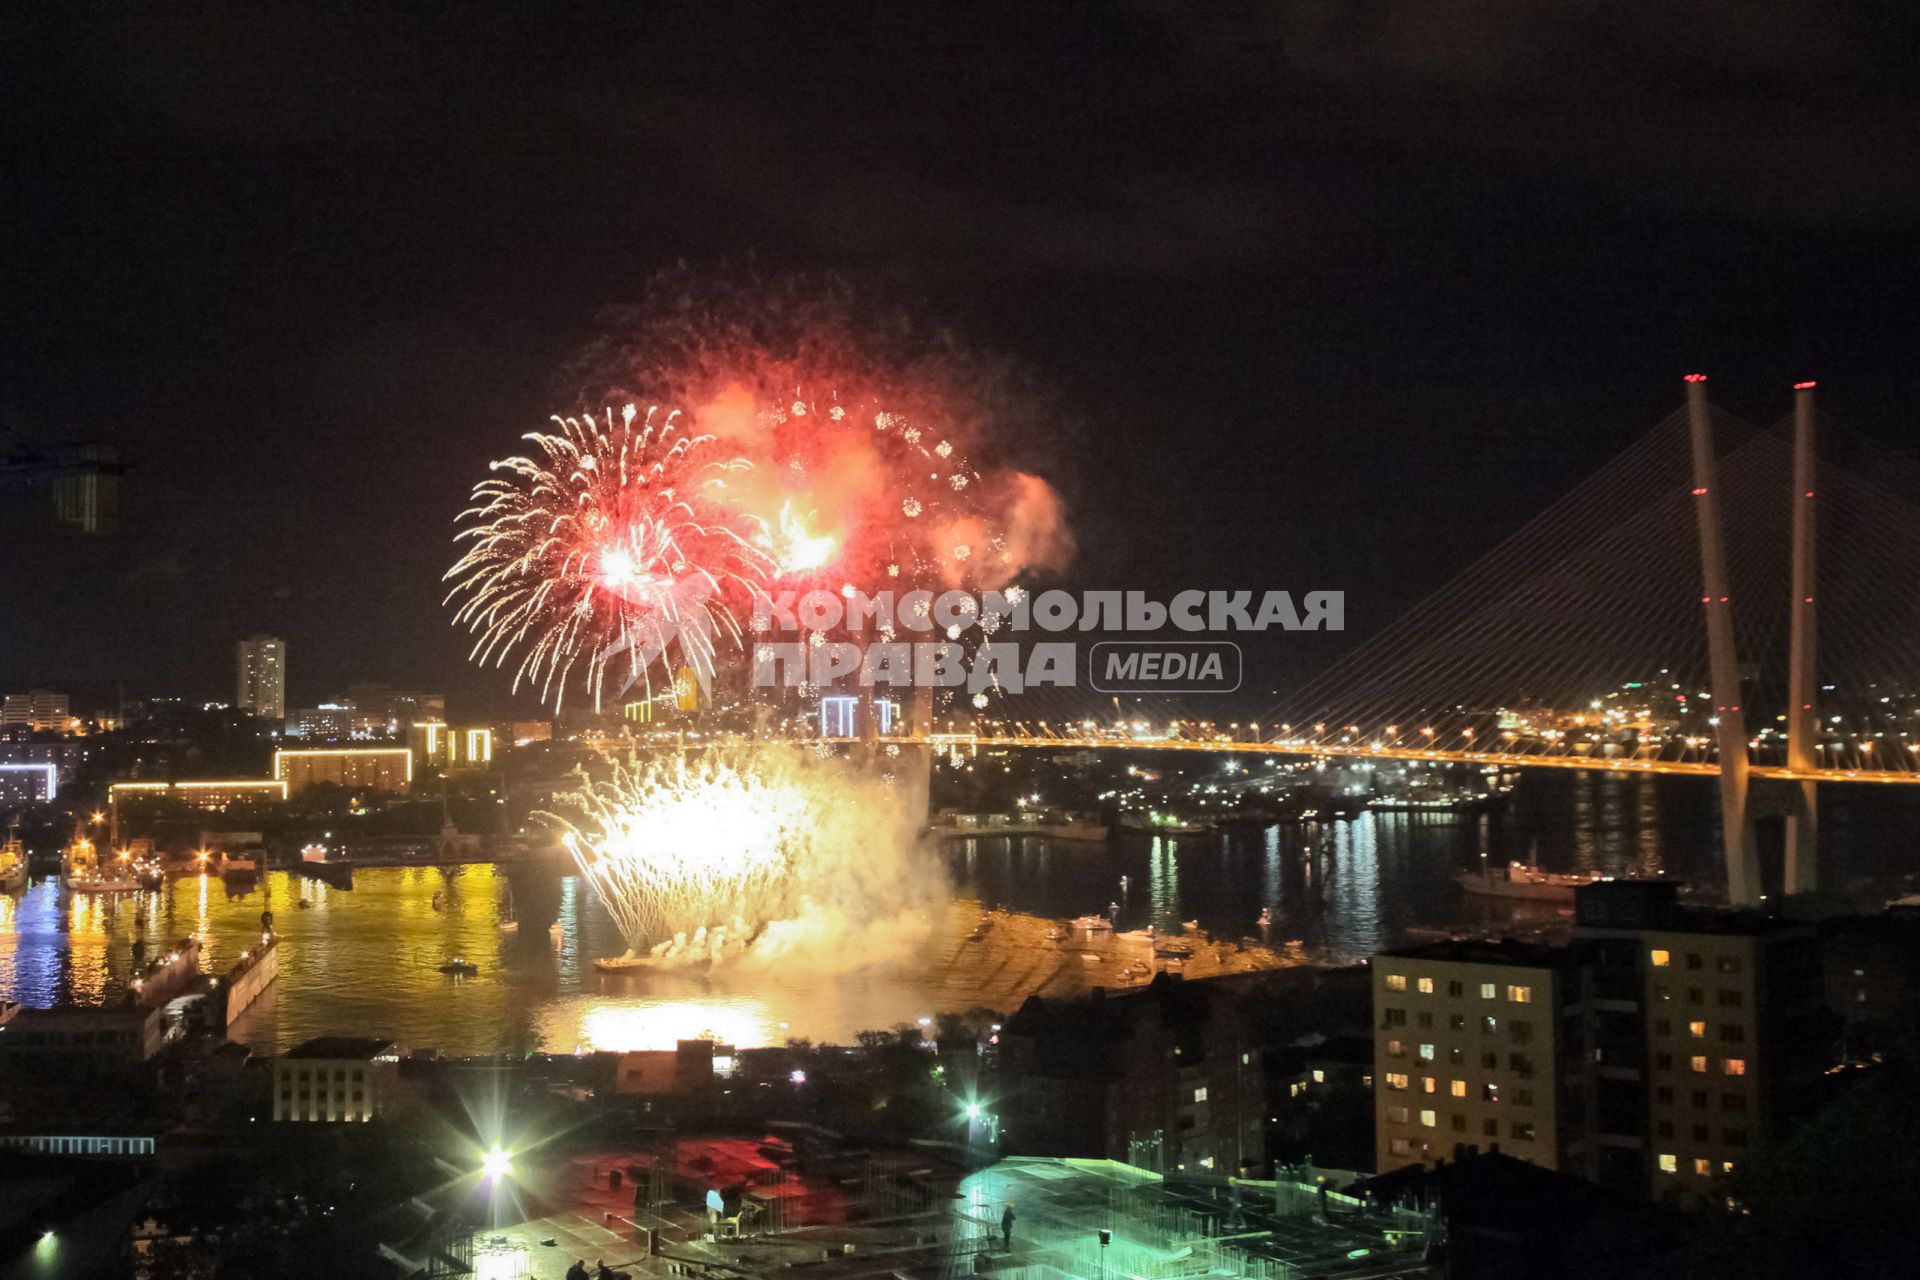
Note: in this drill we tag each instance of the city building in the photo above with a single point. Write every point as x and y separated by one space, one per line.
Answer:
214 794
1871 967
1703 1031
368 712
394 710
476 747
1164 1077
431 740
1492 1215
1651 1054
842 716
40 710
436 743
333 1079
28 783
376 768
72 1040
328 722
1466 1052
67 755
260 682
525 731
687 1068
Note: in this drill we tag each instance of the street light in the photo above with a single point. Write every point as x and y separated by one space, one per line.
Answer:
495 1164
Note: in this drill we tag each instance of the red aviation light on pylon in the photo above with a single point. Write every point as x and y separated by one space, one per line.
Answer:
1805 386
1696 377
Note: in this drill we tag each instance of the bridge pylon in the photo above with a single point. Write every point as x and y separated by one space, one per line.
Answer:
1730 727
1803 686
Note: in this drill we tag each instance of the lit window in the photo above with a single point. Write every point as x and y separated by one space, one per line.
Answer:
1396 982
1698 1030
1669 1164
1426 986
1726 1166
1200 1094
1396 1048
1396 1080
1703 1166
1488 990
1699 1065
1735 1066
1459 1088
1520 995
1319 1076
1661 959
1428 1120
1426 1053
1428 1084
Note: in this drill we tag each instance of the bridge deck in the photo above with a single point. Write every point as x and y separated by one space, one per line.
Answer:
1506 759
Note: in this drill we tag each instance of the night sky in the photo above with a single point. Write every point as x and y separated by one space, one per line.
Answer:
1332 294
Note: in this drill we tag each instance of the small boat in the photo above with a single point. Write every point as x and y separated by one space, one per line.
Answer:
1172 949
238 867
976 935
628 963
1526 883
1058 932
1093 924
460 967
104 884
13 864
304 904
1266 916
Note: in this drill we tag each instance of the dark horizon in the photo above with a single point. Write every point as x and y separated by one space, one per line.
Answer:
1333 300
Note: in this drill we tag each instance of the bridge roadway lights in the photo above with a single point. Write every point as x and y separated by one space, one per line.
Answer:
1671 768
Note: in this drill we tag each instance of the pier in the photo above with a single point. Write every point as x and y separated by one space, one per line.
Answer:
252 974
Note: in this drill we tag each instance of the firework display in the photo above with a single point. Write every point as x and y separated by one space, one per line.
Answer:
688 843
796 448
615 546
696 853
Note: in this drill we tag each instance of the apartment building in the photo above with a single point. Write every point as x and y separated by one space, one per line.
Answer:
1652 1053
1466 1051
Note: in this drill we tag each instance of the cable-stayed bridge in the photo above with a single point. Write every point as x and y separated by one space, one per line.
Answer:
1719 600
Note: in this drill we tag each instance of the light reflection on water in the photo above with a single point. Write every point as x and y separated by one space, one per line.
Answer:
366 959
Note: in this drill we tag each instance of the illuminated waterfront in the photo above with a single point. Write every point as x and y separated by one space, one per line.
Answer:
368 958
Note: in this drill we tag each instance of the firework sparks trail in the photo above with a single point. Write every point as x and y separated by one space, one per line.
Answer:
687 844
612 541
695 855
828 449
